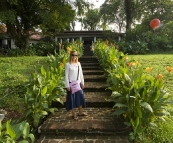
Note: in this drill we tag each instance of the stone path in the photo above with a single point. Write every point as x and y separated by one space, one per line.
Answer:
99 127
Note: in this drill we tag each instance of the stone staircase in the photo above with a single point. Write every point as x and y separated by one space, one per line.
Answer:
100 126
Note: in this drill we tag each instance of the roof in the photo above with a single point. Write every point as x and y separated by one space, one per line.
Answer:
87 34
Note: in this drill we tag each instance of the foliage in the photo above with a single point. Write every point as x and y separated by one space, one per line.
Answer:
142 36
44 87
44 48
91 19
139 96
133 47
57 17
21 17
114 13
15 132
77 45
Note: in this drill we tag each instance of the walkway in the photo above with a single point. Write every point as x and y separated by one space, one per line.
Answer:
99 127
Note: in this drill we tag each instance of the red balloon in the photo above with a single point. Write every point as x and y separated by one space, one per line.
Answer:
154 23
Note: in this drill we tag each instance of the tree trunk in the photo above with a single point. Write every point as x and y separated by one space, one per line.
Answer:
128 10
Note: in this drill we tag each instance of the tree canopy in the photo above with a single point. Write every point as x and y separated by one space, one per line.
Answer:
23 16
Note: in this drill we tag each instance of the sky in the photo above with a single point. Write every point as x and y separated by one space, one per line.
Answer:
97 4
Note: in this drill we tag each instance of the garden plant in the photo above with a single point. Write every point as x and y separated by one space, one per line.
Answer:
139 96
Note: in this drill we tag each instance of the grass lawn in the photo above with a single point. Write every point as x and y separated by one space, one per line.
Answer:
15 72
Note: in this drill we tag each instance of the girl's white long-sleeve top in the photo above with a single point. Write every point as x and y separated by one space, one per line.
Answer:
71 71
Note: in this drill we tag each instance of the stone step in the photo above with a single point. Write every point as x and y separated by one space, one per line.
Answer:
93 99
94 78
88 59
89 64
95 87
91 68
93 72
99 121
83 139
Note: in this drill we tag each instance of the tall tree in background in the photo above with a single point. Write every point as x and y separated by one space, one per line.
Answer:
80 7
113 12
91 19
22 16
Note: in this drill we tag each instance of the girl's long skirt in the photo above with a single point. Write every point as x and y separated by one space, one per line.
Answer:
75 100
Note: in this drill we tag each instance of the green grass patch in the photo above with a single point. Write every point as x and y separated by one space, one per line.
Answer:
15 72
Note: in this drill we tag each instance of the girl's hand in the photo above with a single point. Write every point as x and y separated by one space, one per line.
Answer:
82 86
68 88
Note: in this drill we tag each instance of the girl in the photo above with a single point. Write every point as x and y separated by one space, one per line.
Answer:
72 73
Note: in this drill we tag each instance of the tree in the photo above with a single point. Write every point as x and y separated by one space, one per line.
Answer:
91 19
113 13
22 16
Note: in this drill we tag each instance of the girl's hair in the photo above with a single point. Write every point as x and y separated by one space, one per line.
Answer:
71 55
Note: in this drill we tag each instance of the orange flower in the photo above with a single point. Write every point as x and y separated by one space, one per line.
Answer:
160 76
61 65
148 69
169 69
131 64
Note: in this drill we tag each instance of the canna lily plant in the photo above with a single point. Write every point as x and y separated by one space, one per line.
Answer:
139 96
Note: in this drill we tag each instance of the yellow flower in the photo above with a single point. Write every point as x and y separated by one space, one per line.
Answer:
169 69
126 58
137 63
148 69
160 76
68 48
115 59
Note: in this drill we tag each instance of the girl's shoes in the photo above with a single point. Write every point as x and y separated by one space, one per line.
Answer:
75 118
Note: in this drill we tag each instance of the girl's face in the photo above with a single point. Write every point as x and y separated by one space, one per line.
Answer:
74 56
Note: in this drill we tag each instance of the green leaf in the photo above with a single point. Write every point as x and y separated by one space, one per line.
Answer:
24 141
119 112
44 91
136 122
59 100
44 113
146 106
139 111
128 124
127 78
52 110
43 70
116 94
119 105
10 130
26 130
31 136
